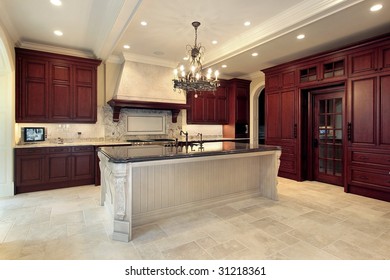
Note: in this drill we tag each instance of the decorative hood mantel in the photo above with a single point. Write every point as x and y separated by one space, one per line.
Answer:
146 84
118 104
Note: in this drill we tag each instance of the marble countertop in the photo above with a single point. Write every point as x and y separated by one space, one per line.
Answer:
123 154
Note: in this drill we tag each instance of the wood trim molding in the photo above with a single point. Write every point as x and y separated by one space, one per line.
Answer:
118 104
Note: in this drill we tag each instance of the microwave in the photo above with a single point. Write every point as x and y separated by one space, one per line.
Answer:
33 134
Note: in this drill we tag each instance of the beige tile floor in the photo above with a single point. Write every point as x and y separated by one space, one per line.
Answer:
311 220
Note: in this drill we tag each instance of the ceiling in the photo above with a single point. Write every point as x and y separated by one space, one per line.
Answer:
100 28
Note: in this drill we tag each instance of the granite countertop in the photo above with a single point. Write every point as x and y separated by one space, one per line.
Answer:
124 154
71 143
114 143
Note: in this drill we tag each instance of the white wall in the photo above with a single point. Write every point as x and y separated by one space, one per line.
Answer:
257 85
7 120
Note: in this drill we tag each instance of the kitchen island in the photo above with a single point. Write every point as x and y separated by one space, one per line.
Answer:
140 184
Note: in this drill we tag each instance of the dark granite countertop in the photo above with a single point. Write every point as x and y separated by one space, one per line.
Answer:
123 154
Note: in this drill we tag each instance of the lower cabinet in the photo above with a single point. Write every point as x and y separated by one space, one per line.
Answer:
39 169
369 173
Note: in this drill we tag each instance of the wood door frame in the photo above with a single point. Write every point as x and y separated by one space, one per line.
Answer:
311 92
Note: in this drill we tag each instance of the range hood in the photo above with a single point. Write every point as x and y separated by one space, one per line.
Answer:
118 104
146 84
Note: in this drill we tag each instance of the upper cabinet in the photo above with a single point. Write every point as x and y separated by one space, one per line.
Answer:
323 70
208 107
280 80
55 88
370 60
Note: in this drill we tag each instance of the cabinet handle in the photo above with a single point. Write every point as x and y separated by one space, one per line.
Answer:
349 131
295 130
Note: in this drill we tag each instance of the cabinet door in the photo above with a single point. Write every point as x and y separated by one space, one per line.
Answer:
272 82
85 102
221 96
242 105
384 58
288 123
362 63
32 92
362 112
29 170
83 164
196 112
273 112
384 111
210 107
58 167
61 92
280 80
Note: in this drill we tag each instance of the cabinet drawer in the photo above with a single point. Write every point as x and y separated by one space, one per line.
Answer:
362 157
83 149
30 151
374 177
288 150
59 150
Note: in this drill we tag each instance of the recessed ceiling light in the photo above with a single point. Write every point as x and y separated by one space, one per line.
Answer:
56 2
144 23
58 33
301 36
376 7
247 23
255 54
214 42
158 53
224 66
126 47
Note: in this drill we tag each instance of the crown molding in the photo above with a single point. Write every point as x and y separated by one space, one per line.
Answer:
55 49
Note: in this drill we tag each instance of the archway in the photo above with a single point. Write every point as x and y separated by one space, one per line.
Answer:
6 118
255 114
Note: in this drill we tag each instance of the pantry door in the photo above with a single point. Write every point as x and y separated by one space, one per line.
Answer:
328 137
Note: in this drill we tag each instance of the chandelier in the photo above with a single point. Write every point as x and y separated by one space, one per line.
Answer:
192 79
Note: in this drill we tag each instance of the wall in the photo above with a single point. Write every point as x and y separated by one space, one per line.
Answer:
7 120
257 85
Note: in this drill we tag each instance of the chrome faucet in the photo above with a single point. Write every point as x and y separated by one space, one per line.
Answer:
201 140
186 134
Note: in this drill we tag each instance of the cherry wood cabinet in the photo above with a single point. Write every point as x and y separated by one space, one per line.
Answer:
370 60
238 109
328 69
53 167
281 119
208 107
363 71
55 88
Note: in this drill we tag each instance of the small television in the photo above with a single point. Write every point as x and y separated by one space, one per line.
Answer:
33 134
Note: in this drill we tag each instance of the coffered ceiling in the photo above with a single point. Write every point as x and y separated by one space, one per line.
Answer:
100 28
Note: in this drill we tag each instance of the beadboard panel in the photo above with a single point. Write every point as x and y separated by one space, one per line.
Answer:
162 186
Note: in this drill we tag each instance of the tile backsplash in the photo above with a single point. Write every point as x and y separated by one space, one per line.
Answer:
107 130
